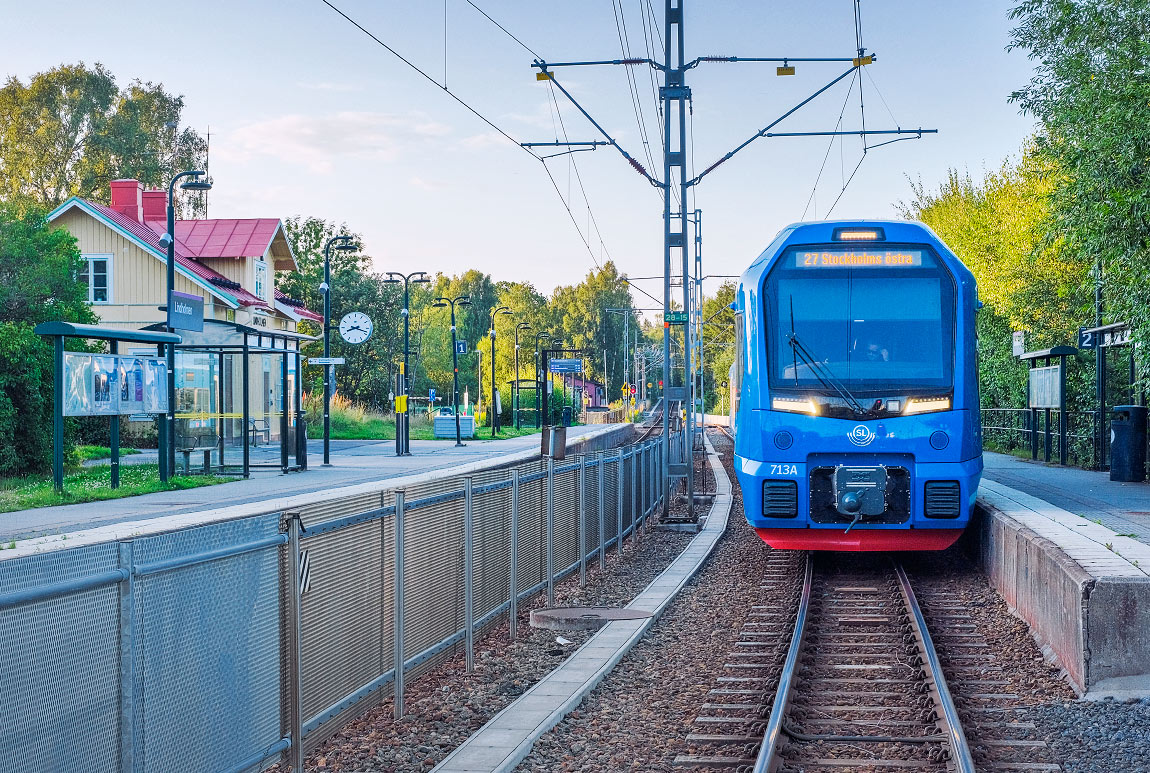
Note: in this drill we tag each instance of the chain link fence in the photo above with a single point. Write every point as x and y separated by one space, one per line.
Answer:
213 647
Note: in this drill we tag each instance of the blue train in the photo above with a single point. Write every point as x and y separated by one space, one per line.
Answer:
857 418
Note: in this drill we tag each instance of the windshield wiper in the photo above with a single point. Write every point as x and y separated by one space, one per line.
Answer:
822 373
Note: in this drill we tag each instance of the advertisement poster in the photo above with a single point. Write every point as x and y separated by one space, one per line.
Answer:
131 384
105 385
108 385
155 386
77 384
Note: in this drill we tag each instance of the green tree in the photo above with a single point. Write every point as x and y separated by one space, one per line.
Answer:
1091 92
38 269
70 130
367 376
1027 279
718 344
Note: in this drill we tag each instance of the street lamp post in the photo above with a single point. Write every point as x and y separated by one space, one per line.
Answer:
403 438
492 408
515 391
538 381
345 243
168 240
442 303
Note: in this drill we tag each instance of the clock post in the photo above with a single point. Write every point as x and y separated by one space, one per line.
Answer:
347 244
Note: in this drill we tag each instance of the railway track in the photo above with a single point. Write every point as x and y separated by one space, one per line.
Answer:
859 686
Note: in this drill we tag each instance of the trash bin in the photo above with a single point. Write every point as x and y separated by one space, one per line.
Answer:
566 415
1128 443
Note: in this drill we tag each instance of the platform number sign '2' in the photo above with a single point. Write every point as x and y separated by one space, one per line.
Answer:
1087 339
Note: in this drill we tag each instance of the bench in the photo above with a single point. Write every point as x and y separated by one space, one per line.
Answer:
190 442
257 427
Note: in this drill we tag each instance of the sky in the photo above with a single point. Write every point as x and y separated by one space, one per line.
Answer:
310 116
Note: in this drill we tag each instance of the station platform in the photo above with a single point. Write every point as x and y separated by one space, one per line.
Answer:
1121 507
1068 551
353 462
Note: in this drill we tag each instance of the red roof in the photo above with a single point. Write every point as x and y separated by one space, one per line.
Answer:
303 311
237 238
184 257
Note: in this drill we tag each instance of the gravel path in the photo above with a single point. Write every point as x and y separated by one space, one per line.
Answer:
447 704
639 716
1104 737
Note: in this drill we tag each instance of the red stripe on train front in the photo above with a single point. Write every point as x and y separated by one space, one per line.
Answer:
860 540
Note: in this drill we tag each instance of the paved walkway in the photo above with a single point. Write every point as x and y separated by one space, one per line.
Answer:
353 461
1122 507
507 738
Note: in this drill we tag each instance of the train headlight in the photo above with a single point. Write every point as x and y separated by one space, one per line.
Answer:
795 405
927 405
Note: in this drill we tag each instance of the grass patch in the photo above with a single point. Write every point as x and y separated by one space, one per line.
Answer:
88 453
93 484
350 421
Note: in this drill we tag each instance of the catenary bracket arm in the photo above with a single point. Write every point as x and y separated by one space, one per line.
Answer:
762 132
611 140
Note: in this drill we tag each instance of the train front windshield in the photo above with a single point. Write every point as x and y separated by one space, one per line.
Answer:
875 319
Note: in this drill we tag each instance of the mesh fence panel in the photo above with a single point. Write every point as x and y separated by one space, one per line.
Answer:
59 705
207 650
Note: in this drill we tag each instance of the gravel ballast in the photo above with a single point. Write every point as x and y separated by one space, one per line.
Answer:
446 705
639 716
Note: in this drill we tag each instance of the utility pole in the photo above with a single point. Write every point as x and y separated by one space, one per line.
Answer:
674 96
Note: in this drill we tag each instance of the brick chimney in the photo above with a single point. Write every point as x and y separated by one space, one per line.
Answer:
126 198
155 206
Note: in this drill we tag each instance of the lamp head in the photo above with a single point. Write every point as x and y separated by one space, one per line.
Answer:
424 278
347 246
439 304
196 184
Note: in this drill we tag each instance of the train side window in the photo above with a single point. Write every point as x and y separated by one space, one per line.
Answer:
740 340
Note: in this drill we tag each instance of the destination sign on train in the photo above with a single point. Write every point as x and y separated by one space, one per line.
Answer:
857 257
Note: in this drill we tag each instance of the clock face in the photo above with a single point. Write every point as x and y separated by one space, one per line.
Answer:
355 327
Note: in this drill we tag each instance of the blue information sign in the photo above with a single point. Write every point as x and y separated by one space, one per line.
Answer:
461 347
187 312
573 365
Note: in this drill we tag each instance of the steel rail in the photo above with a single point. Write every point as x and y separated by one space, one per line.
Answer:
956 738
768 749
961 757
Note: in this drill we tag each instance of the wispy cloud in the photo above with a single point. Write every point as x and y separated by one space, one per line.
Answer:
317 141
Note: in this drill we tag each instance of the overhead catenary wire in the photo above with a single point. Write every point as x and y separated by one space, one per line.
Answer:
443 87
632 84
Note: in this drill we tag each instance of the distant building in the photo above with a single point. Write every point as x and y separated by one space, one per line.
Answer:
231 264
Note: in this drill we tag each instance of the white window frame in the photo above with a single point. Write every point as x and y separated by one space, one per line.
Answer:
107 258
261 280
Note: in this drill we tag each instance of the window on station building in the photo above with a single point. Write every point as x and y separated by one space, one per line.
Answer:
96 274
261 280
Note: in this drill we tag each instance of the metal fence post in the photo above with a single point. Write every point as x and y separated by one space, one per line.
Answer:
619 501
634 490
397 612
513 598
602 520
550 531
468 573
127 663
295 655
582 510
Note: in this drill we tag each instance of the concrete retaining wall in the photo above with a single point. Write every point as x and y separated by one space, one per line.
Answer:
1093 619
1041 585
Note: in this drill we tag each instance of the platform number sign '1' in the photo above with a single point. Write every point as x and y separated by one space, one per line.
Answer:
1087 339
